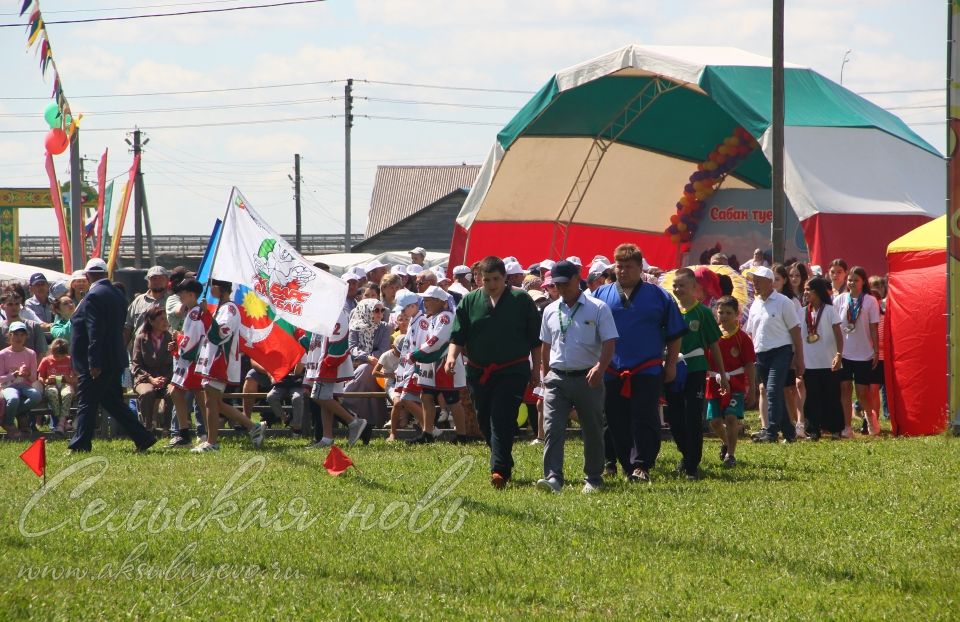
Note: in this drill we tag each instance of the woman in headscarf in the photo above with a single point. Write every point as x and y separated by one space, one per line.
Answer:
369 338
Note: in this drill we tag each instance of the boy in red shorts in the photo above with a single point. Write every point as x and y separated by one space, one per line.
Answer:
725 410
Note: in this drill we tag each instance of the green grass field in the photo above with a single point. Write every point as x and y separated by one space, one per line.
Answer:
863 529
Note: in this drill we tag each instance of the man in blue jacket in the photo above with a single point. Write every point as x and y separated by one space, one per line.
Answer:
99 357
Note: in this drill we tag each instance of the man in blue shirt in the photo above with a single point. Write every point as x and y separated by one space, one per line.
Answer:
579 336
649 322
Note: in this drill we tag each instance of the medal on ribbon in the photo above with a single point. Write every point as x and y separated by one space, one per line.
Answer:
813 324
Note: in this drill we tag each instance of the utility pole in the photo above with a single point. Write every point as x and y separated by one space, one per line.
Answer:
76 211
296 200
776 180
137 213
347 124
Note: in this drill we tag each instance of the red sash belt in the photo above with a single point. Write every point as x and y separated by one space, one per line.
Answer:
489 370
626 389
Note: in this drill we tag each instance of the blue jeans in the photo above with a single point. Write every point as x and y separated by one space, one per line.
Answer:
20 399
772 368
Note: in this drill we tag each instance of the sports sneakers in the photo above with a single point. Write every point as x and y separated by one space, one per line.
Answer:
204 447
551 484
729 461
257 433
498 481
323 442
640 476
180 440
354 430
589 489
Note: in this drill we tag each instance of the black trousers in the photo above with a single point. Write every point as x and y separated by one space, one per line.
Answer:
823 409
685 416
497 403
105 390
634 422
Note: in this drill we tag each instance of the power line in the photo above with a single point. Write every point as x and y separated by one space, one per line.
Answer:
418 120
288 102
193 92
129 8
186 125
446 88
429 103
117 18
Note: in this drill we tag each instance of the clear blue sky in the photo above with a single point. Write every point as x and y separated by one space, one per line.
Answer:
495 45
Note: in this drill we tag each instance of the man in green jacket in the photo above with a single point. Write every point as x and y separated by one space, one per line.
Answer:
497 328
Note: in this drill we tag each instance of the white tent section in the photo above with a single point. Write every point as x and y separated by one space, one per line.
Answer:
10 271
852 170
341 262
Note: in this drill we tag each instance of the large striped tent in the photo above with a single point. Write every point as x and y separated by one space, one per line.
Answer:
601 154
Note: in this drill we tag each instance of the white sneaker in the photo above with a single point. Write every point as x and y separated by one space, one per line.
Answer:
549 485
323 442
847 433
204 447
589 489
354 430
801 430
257 433
436 432
202 439
536 442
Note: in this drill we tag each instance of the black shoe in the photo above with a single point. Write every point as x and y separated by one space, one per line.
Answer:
792 439
680 470
181 440
142 449
610 470
640 476
693 477
764 437
723 452
423 439
813 436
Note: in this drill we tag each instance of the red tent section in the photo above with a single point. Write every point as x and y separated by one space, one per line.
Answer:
916 331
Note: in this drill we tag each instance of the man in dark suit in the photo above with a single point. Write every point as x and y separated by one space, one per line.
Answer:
99 357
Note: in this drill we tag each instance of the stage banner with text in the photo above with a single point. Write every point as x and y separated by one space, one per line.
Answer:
736 222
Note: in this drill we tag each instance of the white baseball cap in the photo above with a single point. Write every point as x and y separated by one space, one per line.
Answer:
441 275
374 265
414 269
598 267
602 258
575 260
435 292
461 270
513 267
360 271
94 265
399 269
761 271
418 251
547 264
349 276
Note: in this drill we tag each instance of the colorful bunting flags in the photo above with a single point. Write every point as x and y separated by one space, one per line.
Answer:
37 31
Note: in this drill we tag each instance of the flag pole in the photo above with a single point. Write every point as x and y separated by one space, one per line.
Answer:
216 250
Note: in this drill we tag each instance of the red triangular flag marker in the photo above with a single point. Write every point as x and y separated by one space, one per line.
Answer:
337 462
35 456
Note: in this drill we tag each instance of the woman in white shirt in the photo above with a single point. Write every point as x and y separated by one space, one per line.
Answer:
859 321
791 390
822 356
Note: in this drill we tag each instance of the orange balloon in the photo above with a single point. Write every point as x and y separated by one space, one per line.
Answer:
56 141
674 219
710 166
